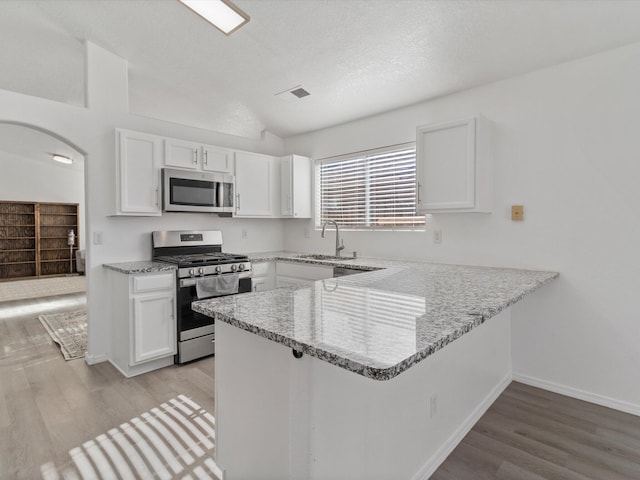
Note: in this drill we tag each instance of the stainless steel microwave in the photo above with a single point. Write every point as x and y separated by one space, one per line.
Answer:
185 191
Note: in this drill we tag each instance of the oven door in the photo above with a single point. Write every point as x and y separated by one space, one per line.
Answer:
193 324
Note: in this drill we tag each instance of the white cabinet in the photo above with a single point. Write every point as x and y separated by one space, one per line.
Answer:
454 166
137 174
181 154
143 310
295 186
153 327
257 193
217 159
195 156
293 273
263 276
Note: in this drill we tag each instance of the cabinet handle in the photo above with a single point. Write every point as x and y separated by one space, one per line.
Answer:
206 157
157 197
237 202
418 192
195 157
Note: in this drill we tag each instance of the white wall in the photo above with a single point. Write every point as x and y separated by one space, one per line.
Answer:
92 133
566 148
28 180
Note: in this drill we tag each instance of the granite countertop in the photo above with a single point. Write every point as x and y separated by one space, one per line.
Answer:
140 267
380 322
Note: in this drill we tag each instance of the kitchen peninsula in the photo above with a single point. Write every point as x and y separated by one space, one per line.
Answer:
373 375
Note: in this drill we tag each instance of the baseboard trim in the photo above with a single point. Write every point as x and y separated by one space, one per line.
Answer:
93 359
578 394
452 442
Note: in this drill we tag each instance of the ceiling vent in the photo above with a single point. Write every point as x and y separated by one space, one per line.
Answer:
293 93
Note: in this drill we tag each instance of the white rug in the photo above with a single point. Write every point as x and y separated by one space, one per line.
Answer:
42 287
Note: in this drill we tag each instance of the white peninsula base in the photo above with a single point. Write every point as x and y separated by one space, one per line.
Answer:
278 417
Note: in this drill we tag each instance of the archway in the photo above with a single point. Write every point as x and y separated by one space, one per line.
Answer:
31 175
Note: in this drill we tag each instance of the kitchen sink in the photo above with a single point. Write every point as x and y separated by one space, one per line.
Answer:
316 256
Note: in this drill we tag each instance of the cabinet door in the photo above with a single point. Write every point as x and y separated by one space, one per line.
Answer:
138 176
216 159
286 186
301 186
446 165
178 153
254 185
454 166
153 327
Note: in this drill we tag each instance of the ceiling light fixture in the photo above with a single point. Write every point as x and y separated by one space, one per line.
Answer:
222 14
62 159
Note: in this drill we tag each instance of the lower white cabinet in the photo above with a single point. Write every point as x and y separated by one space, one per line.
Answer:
144 321
263 276
153 327
289 274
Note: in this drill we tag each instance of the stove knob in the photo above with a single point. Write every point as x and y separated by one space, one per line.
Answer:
192 272
201 271
234 268
241 267
218 269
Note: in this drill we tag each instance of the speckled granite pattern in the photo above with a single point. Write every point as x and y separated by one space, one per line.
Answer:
140 267
377 323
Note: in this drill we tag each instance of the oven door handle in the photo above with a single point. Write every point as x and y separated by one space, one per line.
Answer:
187 282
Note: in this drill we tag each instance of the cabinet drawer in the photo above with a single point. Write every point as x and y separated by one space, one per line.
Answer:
306 272
150 283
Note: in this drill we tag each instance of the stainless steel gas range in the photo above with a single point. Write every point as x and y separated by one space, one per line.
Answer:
204 271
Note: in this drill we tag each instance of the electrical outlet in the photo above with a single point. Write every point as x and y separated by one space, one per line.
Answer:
98 238
437 236
433 405
244 233
307 232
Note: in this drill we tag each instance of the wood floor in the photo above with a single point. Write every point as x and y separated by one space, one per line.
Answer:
53 412
533 434
51 409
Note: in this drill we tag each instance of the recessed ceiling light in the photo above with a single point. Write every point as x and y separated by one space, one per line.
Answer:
222 14
62 159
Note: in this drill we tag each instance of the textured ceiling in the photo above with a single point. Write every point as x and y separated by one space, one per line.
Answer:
356 57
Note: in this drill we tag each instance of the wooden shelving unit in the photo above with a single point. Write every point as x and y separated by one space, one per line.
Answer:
33 239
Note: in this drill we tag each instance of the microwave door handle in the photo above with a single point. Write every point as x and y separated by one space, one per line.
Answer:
220 193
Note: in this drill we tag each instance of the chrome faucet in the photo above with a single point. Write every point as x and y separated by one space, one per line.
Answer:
339 243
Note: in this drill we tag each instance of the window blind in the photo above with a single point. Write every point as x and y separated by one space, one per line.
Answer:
375 189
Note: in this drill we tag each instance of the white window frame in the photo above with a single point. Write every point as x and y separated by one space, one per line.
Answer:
377 151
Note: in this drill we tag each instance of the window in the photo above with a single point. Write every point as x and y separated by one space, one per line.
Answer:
375 189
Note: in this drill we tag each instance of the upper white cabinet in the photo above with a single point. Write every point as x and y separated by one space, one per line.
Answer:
295 186
138 173
181 154
195 156
217 159
454 166
257 178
